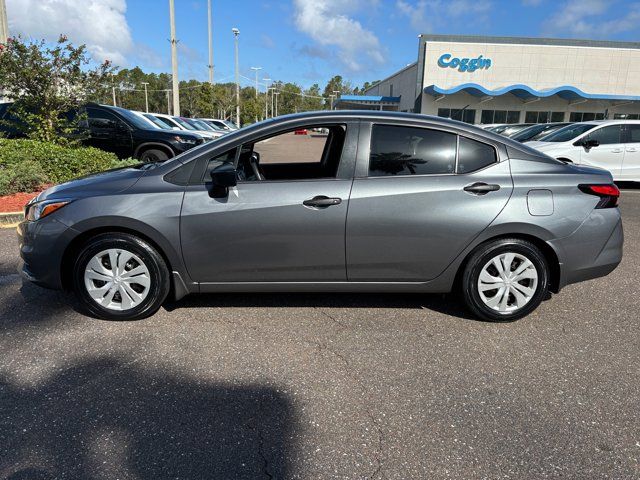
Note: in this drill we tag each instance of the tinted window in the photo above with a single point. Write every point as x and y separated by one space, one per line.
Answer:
568 133
411 151
474 155
102 119
606 135
634 133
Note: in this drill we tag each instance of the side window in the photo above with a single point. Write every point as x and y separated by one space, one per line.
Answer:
634 133
607 135
399 150
303 154
474 155
100 119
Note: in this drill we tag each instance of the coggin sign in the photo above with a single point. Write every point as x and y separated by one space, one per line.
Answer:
464 64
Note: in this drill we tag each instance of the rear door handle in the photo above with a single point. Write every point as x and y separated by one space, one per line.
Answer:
617 150
322 201
631 150
480 188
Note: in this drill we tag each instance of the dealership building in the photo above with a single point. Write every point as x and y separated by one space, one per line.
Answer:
512 80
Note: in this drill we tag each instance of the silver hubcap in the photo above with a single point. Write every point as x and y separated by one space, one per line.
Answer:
507 282
117 279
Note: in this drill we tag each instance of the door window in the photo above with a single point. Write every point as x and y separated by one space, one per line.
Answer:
102 120
303 154
474 155
634 133
411 151
607 135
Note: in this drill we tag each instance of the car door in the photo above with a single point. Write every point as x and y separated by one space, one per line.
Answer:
420 196
631 163
108 132
609 154
287 227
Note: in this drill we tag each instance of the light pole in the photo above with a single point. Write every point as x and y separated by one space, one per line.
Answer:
337 94
236 33
266 97
210 24
276 94
146 97
273 91
174 60
257 69
4 24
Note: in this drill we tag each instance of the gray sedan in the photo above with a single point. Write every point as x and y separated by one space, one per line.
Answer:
379 202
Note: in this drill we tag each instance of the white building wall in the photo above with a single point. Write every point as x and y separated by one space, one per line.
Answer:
404 86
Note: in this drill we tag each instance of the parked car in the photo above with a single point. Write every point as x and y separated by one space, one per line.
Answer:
539 129
203 127
515 128
387 202
220 124
178 124
610 144
124 133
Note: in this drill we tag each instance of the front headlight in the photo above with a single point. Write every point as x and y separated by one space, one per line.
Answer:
36 211
190 141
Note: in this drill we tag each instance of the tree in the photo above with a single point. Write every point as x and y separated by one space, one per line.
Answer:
46 83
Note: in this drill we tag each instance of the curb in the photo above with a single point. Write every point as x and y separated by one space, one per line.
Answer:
10 219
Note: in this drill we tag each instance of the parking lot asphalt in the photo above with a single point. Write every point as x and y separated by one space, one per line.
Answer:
323 386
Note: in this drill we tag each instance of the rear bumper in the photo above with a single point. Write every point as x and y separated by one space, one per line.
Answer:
42 245
593 250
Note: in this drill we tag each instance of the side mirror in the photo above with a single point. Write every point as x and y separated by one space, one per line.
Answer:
588 144
223 177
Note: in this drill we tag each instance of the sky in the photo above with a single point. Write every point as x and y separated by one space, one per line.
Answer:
305 41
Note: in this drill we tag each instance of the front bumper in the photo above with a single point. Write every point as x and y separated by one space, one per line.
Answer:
593 250
42 246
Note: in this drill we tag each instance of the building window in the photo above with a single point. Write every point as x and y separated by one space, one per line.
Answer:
585 116
543 117
466 116
500 116
391 89
626 116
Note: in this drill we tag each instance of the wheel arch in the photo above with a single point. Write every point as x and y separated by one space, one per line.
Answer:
143 147
547 250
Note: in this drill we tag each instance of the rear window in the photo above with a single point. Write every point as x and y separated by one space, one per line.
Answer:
399 150
568 133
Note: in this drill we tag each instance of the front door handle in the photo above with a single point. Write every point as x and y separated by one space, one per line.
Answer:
322 201
616 150
480 188
631 150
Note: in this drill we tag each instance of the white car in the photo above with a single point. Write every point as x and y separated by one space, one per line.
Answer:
177 123
224 125
610 144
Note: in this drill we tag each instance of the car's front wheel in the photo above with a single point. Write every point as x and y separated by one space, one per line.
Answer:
118 276
153 155
505 279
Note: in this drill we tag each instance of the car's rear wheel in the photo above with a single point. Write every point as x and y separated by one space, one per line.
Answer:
154 155
505 280
118 276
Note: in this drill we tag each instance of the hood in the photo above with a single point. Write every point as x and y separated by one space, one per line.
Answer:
109 182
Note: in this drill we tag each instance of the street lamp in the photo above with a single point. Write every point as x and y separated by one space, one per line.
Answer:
337 94
266 97
146 97
236 34
257 69
276 95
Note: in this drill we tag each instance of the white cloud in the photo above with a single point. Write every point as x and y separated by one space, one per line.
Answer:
583 18
100 24
426 15
327 22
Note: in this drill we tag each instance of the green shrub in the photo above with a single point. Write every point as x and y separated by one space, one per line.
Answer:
26 165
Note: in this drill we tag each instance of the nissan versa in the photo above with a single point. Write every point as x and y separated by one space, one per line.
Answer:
365 201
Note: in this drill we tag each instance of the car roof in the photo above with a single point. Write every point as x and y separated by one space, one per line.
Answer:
610 122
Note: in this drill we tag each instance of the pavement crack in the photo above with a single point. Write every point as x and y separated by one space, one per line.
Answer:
265 462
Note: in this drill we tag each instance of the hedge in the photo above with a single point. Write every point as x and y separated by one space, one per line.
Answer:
26 165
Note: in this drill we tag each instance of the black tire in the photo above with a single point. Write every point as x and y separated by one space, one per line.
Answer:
154 155
158 274
484 254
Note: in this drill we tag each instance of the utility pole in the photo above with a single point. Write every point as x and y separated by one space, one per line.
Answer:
236 33
276 94
113 91
337 94
146 97
174 60
257 69
168 102
273 91
266 97
4 24
210 22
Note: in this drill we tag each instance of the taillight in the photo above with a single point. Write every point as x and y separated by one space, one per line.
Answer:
608 194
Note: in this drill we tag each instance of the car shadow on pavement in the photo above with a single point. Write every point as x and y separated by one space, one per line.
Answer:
448 304
108 418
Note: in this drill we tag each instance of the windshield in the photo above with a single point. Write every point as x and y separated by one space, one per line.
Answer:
568 133
184 124
168 122
197 124
546 132
156 122
217 124
133 119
